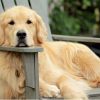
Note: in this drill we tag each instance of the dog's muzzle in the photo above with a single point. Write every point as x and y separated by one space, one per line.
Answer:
21 36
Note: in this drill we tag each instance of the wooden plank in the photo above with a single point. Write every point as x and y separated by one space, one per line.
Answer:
76 38
23 2
28 60
36 74
8 3
54 99
94 98
31 72
94 92
1 7
22 49
37 6
40 6
30 93
44 4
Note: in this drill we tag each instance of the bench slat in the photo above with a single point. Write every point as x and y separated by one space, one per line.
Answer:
23 2
40 6
8 3
1 8
29 67
94 92
22 49
31 72
36 64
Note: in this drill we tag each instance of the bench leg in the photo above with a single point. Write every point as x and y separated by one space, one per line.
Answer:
32 75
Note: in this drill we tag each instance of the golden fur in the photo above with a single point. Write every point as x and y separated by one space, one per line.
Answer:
65 69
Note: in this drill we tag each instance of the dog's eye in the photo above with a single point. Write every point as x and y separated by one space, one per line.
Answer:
29 22
11 22
17 73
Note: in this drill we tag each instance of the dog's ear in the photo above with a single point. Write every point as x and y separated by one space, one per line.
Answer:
41 30
1 30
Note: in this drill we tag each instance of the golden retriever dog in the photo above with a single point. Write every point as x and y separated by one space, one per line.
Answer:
65 69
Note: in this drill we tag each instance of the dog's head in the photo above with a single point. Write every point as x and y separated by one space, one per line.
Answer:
21 27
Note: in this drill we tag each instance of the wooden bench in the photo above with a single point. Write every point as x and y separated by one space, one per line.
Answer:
30 55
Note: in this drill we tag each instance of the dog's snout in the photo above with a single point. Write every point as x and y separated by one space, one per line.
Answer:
21 38
21 34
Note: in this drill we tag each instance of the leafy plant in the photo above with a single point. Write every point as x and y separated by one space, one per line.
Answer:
75 17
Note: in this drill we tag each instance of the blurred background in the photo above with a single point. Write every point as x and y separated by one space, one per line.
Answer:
75 17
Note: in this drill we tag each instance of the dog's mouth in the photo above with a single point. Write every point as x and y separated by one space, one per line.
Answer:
22 43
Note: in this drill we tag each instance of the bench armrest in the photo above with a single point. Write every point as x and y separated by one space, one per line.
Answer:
76 38
22 49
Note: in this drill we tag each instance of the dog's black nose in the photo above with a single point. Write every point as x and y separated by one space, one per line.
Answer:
21 34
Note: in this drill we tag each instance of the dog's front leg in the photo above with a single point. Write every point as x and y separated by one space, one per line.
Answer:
48 90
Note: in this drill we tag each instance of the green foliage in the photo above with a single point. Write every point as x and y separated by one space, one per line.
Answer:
74 17
63 24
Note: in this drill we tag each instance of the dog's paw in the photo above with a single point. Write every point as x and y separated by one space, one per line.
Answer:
50 91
